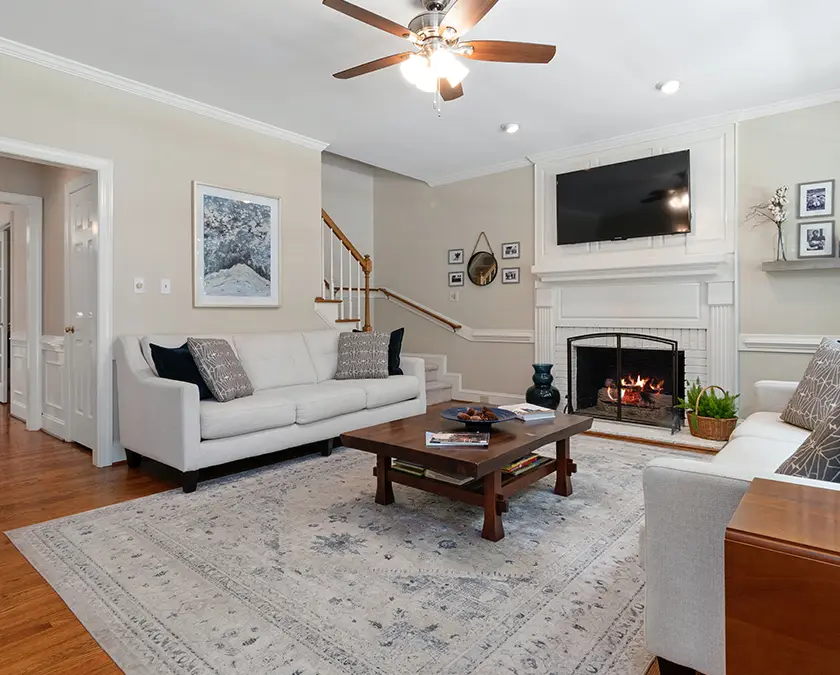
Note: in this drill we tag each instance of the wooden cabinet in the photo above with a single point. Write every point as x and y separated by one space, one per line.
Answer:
782 561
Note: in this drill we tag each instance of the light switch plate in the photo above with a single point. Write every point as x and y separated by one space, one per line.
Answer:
454 296
165 286
139 285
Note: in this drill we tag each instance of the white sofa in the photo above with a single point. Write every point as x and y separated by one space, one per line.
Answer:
688 504
296 401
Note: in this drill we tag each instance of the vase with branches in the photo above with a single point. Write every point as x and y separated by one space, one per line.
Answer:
773 211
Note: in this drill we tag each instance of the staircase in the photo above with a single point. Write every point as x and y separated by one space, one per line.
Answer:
437 391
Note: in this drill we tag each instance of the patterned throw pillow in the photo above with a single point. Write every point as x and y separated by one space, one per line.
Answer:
819 456
363 356
819 390
220 368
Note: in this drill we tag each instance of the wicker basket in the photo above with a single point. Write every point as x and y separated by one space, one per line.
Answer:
711 428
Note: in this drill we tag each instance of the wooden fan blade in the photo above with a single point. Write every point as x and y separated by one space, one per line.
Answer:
371 66
371 19
464 14
448 92
510 52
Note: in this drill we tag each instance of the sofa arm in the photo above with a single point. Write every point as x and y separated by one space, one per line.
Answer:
774 395
688 505
412 365
158 418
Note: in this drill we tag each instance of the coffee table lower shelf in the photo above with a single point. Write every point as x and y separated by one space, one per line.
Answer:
491 493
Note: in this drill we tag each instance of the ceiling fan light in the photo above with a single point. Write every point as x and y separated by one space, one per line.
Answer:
414 68
457 72
427 82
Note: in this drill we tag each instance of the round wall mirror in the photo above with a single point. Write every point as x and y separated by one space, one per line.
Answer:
482 268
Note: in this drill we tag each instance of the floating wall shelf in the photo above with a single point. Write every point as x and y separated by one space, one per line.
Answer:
806 265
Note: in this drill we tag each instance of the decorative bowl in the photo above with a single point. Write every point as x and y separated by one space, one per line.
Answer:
451 414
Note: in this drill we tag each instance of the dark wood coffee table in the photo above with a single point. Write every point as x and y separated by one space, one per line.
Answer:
406 439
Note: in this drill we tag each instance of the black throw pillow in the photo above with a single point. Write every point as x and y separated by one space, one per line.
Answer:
394 349
177 364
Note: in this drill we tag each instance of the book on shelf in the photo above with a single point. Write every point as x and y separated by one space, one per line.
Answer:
452 478
471 439
408 467
528 412
539 460
520 463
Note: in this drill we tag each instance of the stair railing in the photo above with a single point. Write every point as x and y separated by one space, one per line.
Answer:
353 296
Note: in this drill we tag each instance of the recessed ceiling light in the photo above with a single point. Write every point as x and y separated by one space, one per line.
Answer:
669 87
510 128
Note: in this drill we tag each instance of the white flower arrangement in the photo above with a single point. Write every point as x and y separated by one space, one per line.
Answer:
773 211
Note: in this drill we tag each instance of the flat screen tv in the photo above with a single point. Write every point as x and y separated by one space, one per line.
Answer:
643 198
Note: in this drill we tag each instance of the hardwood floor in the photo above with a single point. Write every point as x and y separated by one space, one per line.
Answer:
42 478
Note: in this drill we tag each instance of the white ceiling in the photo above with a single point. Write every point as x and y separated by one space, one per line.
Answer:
272 60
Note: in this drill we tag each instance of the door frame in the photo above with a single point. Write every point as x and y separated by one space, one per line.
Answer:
34 235
107 450
6 255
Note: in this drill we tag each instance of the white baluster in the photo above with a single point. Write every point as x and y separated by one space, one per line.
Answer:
323 260
343 305
350 284
359 289
332 280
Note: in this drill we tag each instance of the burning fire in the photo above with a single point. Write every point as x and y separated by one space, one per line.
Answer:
639 391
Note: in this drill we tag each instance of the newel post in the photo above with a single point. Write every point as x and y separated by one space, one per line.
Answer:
368 267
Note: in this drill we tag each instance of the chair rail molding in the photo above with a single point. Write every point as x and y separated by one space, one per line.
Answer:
779 343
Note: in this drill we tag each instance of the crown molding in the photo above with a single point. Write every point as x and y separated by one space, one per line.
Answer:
478 173
64 65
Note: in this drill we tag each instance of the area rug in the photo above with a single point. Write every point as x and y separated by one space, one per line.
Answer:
294 569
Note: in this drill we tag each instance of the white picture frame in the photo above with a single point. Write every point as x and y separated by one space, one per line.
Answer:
510 250
249 275
510 275
816 239
816 200
456 256
456 278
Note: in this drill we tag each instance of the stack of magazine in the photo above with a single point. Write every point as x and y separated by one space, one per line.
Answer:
528 412
408 467
466 439
524 464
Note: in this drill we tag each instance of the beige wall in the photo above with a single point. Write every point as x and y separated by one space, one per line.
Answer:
157 151
415 226
785 149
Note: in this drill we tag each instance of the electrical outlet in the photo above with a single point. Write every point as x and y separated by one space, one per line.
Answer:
454 296
165 286
139 285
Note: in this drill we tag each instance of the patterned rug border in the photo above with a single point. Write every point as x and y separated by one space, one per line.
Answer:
94 614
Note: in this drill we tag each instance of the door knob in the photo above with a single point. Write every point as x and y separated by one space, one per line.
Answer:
69 329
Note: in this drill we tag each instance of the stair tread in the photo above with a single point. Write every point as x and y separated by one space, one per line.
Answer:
437 384
431 366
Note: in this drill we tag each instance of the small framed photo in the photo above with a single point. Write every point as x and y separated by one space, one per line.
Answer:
456 278
510 275
456 256
816 199
510 250
816 240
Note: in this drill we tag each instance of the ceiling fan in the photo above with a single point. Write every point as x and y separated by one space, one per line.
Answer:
433 66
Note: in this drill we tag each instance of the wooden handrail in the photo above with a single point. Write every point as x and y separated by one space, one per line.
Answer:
437 317
343 239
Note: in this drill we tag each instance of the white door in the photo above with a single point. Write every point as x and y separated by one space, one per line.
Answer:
4 316
81 312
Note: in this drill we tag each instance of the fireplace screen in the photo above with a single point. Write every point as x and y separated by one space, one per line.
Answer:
626 377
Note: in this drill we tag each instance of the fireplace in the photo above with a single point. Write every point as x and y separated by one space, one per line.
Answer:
626 377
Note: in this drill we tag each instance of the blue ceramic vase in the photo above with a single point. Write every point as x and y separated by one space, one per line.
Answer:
542 393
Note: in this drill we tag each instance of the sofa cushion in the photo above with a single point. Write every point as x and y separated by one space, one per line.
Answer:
220 368
379 393
264 410
819 390
323 350
770 425
170 340
177 363
819 456
316 402
275 359
362 356
760 456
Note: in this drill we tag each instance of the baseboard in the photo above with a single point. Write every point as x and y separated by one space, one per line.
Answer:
54 426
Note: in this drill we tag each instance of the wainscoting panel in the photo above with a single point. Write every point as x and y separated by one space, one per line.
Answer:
54 390
18 376
654 304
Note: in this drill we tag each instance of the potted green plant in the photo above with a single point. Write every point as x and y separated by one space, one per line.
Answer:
710 416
